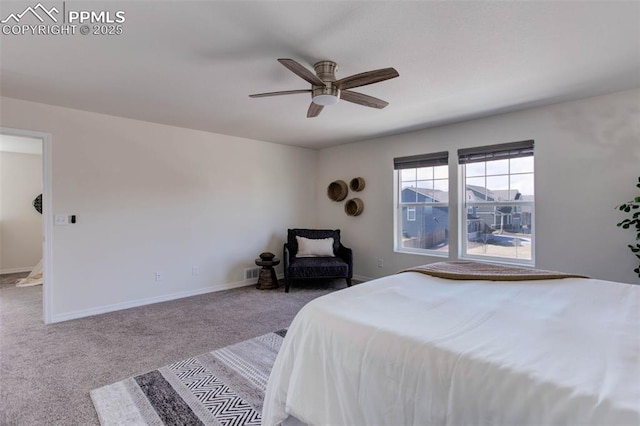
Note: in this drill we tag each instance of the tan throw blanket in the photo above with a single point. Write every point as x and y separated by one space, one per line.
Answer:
485 271
34 278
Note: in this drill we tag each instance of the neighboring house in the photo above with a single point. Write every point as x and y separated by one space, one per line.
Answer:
428 226
484 220
424 226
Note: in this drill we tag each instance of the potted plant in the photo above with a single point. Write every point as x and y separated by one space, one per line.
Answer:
633 222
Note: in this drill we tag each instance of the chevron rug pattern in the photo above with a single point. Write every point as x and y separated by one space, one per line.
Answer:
223 387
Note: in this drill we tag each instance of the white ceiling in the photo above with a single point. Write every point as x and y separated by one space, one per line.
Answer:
193 64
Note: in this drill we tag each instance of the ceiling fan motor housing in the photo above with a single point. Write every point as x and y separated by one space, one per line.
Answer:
329 94
326 70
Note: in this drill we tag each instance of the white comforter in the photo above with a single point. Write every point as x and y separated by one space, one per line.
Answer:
416 350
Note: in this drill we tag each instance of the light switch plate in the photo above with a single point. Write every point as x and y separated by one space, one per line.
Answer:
61 219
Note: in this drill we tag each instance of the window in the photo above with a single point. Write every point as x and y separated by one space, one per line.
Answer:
497 216
411 214
422 203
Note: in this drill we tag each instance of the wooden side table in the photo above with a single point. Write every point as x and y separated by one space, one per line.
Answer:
267 278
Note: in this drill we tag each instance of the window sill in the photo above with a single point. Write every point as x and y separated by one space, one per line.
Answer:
433 253
499 261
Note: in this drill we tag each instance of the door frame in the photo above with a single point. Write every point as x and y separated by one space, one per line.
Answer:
47 216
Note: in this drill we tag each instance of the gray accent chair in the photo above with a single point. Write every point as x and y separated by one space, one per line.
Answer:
306 268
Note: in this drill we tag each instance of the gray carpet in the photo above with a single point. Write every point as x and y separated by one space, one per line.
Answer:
47 371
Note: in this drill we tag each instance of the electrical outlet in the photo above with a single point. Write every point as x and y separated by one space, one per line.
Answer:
195 271
158 276
380 263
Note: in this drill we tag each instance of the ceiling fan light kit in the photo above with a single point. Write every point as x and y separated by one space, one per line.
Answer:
325 100
324 95
327 90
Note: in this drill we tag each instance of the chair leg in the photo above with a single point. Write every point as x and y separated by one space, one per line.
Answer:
287 282
348 282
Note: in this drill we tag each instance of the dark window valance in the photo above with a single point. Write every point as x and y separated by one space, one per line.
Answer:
422 160
495 152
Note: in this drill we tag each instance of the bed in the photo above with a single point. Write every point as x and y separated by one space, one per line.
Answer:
412 349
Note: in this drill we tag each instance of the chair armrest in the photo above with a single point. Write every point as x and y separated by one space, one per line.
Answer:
346 254
285 256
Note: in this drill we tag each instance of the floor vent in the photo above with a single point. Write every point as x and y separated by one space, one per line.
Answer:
251 274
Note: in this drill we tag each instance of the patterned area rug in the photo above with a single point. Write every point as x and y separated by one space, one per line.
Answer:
223 387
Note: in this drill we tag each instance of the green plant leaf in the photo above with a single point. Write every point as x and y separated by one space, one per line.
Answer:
633 222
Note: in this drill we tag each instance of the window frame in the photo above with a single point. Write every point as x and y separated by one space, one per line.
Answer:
464 204
411 218
415 162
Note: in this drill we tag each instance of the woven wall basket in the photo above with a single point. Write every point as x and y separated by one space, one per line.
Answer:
357 184
354 207
337 190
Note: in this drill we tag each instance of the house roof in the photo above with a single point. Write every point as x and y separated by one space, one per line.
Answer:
193 64
505 194
479 191
437 195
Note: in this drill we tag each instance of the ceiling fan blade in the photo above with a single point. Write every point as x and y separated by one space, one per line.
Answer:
301 71
314 110
365 78
362 99
286 92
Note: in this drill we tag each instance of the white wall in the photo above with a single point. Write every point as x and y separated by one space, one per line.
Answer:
153 198
587 161
20 223
150 198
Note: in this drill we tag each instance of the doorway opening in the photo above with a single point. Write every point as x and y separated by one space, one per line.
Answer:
25 212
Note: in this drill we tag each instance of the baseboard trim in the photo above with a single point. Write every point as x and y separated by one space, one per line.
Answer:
158 299
147 301
16 270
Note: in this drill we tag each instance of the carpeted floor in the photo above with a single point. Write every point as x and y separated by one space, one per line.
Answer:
46 372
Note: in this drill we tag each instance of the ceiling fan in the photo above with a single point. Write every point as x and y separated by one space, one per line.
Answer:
326 90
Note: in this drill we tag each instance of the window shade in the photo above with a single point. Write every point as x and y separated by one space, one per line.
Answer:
423 160
495 152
